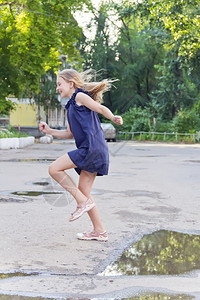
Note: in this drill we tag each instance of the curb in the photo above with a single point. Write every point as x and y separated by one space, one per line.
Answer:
14 143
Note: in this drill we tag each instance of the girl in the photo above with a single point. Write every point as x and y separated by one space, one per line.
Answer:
90 159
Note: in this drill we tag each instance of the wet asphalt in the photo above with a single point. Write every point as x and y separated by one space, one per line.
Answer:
150 187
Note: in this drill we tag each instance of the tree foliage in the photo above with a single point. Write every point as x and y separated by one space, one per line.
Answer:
33 34
156 56
186 121
180 23
136 119
180 19
101 53
6 106
161 253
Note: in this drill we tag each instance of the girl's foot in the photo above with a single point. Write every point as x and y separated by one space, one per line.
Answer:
81 209
103 237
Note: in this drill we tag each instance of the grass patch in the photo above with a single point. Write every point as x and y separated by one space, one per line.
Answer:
161 137
11 132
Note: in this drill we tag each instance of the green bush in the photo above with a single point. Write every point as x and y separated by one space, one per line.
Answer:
186 121
136 119
6 106
162 126
10 132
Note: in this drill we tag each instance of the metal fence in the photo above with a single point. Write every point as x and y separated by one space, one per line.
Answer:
130 135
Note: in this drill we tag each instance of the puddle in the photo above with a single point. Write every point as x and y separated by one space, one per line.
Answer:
9 199
156 296
9 297
43 183
16 274
37 159
193 161
33 193
30 160
160 253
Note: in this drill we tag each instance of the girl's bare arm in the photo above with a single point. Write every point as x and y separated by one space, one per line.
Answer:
83 99
63 134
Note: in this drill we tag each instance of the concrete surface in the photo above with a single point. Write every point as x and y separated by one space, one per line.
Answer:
14 143
150 187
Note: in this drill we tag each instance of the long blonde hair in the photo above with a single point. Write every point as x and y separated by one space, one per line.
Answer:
85 81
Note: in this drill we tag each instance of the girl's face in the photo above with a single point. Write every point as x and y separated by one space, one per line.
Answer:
65 88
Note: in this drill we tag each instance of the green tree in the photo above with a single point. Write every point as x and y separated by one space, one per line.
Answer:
179 18
177 85
156 58
102 53
47 97
136 119
186 121
6 106
138 55
33 34
130 58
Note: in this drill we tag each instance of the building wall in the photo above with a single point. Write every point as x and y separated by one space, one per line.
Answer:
24 115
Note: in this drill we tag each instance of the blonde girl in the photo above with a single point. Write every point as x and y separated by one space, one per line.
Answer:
91 157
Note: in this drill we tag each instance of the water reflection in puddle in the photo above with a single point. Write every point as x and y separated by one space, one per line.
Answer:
16 274
193 161
33 193
36 159
156 296
160 253
29 160
146 297
39 193
8 297
43 183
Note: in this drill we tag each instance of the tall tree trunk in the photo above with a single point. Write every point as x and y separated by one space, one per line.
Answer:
177 73
138 85
147 85
108 75
129 40
173 111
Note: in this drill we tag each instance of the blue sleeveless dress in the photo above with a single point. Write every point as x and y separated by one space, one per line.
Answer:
92 151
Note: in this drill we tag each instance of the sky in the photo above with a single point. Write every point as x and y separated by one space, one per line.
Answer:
83 18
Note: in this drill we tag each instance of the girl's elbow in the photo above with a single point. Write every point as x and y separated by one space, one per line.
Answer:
69 135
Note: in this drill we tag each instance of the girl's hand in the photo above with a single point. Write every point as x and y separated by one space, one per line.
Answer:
117 120
44 127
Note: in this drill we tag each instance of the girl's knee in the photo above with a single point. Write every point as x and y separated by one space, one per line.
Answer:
52 170
84 190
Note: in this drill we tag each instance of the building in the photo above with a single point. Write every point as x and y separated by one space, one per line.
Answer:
24 117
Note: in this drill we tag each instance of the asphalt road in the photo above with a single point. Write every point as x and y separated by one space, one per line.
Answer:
150 186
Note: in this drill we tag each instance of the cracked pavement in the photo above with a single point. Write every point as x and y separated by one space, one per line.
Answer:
150 186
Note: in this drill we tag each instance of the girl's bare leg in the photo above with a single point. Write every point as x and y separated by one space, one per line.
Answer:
57 171
86 181
82 193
